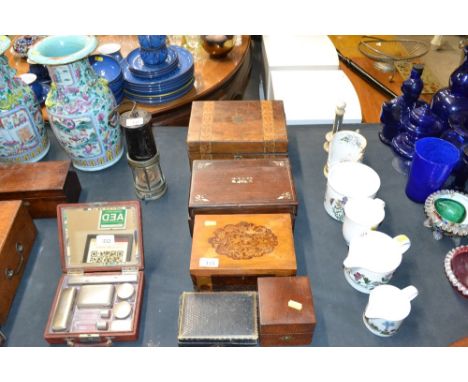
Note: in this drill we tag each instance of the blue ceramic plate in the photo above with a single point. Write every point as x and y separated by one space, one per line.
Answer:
159 89
105 67
140 69
154 100
184 66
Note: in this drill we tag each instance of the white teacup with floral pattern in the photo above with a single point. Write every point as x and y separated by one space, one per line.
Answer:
348 180
372 259
346 146
387 308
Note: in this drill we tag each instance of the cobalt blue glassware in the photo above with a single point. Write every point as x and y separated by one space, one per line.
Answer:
433 161
453 99
422 123
396 112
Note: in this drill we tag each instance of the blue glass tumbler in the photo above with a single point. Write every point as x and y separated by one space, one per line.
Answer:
433 161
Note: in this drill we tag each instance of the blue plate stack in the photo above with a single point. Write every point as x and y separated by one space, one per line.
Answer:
155 84
109 68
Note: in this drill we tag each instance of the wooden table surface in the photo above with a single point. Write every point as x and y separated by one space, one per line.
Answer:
370 97
224 78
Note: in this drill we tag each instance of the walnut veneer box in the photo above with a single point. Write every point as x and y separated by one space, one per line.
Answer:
229 252
42 186
237 129
17 234
242 186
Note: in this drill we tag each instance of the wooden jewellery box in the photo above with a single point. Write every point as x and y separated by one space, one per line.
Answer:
237 129
229 252
41 186
241 187
99 295
17 234
286 311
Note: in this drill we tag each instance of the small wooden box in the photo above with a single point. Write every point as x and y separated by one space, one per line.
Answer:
17 234
229 252
243 186
99 295
237 129
281 325
42 186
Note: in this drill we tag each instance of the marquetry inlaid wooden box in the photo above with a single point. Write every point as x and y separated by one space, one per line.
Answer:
237 129
241 187
229 252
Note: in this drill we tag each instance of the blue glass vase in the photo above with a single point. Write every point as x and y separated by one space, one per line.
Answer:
23 136
454 99
79 103
395 113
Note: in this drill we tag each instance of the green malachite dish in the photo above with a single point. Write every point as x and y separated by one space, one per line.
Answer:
450 210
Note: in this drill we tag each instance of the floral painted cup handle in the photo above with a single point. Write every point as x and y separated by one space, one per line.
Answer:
403 242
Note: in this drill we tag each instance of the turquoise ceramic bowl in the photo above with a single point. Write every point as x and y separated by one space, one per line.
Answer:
59 50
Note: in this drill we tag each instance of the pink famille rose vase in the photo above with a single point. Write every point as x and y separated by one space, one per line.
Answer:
79 103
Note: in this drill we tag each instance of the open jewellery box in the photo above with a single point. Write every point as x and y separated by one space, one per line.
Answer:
99 296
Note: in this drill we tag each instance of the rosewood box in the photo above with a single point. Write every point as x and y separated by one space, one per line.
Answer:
99 295
219 318
286 311
42 186
17 234
242 186
229 252
237 129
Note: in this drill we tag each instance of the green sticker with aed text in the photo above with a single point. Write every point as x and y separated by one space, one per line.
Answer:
110 219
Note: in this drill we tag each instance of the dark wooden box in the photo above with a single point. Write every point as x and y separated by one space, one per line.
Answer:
100 245
281 325
218 319
42 186
237 129
229 252
17 234
244 186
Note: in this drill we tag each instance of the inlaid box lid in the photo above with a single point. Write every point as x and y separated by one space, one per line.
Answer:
260 183
242 244
101 236
237 127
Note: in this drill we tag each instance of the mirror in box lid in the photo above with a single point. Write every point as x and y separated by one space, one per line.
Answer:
101 235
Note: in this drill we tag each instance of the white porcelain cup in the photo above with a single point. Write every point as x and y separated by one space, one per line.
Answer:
348 180
387 308
346 146
362 215
372 259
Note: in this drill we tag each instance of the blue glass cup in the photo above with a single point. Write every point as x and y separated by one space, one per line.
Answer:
433 161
